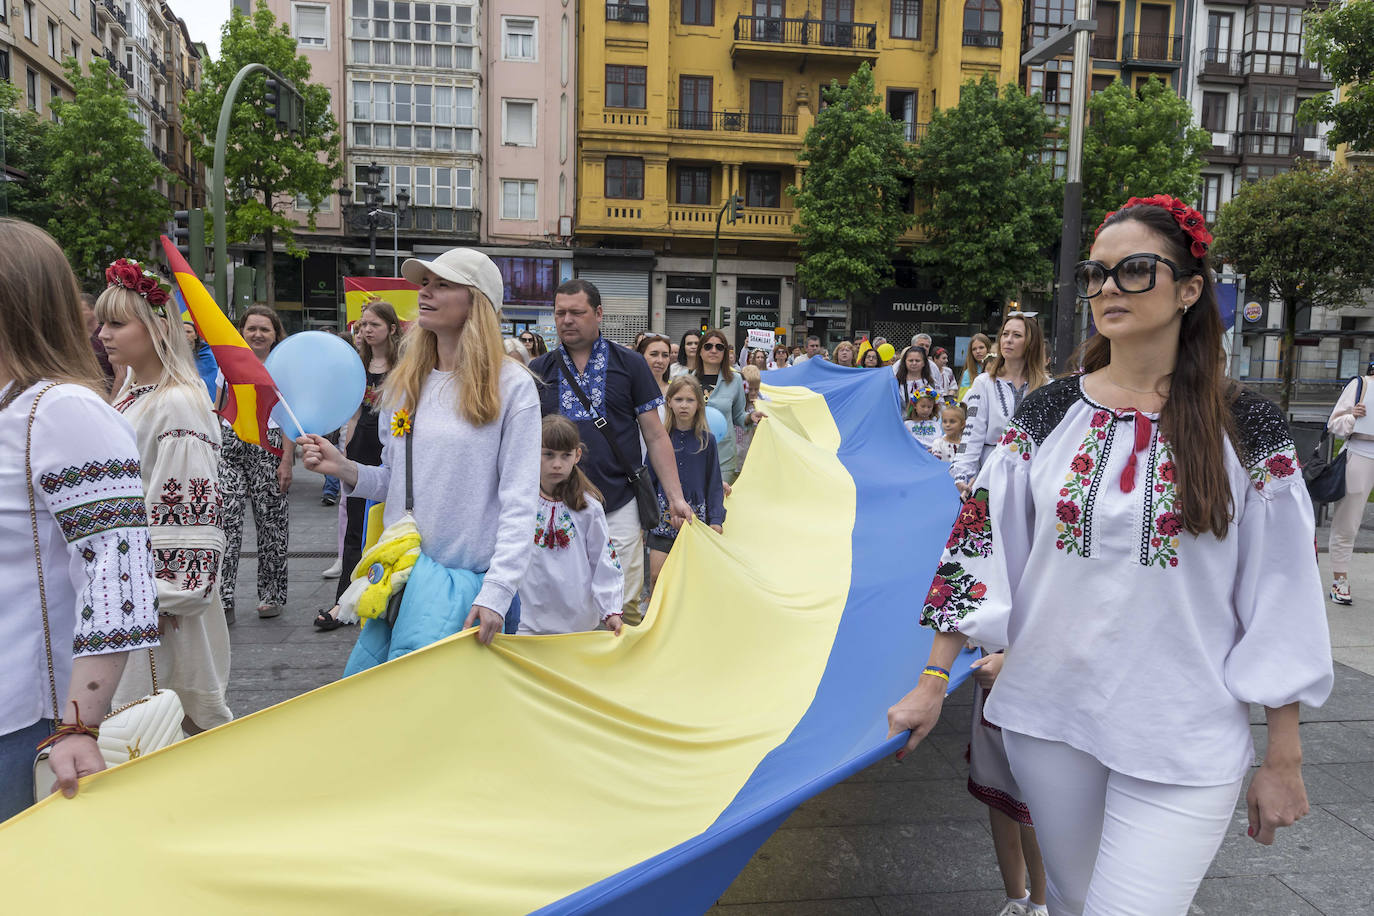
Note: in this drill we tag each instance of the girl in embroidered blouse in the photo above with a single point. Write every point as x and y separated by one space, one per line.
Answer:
178 443
1124 701
574 582
952 426
101 597
921 421
698 469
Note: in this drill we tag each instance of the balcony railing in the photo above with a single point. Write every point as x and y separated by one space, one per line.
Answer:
118 19
1220 62
977 38
443 219
627 12
807 32
1154 46
915 131
127 75
733 121
1104 47
773 221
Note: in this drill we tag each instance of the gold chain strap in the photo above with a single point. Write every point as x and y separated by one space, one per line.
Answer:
37 550
38 560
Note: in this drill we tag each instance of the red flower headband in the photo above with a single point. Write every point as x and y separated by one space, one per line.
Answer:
132 275
1188 219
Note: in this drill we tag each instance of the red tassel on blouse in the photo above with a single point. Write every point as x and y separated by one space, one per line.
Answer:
1142 441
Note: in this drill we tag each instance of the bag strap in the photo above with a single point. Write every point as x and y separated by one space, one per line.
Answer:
598 420
410 476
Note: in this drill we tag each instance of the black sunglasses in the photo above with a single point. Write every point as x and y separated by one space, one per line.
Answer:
713 346
1134 273
527 340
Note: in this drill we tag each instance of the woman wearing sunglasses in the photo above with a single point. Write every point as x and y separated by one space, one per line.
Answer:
725 392
1143 551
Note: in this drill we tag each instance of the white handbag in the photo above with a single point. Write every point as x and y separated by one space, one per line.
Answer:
130 731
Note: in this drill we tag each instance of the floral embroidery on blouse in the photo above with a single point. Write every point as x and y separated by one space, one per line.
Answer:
90 472
555 531
1278 464
971 535
201 504
1078 495
591 380
189 568
1018 442
954 592
1160 523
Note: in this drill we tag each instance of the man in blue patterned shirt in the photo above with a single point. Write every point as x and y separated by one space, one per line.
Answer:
622 390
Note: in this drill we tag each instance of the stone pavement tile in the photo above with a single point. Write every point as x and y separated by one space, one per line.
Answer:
1360 816
1361 657
961 903
1359 776
879 860
1262 895
846 906
1326 788
1318 842
1335 893
1324 742
854 803
1352 699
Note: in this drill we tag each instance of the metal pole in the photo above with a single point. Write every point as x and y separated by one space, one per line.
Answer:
715 256
372 240
395 245
226 111
1073 196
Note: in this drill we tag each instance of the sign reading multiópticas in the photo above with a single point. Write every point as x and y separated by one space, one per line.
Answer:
896 304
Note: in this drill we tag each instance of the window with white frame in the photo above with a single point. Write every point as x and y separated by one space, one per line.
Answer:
519 199
326 205
54 39
28 20
442 188
519 38
411 34
310 24
406 115
517 122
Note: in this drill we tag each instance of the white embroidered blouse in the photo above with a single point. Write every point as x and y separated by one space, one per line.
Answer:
991 403
1127 637
574 580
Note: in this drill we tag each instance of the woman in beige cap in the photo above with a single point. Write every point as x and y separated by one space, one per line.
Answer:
469 416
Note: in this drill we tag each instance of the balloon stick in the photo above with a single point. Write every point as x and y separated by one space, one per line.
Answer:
289 412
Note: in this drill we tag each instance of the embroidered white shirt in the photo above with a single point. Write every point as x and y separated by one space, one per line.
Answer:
574 580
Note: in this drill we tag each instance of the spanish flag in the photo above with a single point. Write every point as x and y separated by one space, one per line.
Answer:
251 391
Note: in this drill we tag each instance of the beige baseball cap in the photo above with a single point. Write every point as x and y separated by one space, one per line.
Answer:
467 266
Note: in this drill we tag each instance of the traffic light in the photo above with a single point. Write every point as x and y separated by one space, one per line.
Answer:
196 224
736 204
273 99
724 315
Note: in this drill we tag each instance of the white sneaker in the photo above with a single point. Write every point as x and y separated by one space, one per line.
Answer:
334 571
1340 591
1013 908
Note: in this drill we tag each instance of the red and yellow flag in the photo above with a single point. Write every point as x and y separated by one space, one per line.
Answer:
251 393
401 293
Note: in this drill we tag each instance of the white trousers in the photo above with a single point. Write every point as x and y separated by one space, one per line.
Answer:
1345 521
628 540
1115 845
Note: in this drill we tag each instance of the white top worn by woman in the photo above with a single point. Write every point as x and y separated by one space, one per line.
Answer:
475 486
1128 638
93 538
1342 422
945 382
574 580
179 442
991 403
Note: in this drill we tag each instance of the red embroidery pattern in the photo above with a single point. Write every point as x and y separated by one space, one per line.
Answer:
189 568
1275 466
1074 508
203 505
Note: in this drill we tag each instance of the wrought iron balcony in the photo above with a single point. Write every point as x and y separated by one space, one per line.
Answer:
1103 47
915 131
1220 62
1154 47
732 121
627 12
807 32
977 38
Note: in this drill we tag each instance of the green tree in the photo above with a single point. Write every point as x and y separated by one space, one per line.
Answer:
101 178
1341 39
1136 145
852 203
23 155
1297 237
993 205
265 170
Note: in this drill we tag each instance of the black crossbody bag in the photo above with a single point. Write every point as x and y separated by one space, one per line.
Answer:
646 500
1326 479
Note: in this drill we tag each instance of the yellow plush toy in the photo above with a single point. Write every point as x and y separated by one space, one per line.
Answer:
381 572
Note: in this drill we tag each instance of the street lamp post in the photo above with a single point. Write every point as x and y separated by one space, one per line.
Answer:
373 213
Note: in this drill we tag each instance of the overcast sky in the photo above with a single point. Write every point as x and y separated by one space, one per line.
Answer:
203 19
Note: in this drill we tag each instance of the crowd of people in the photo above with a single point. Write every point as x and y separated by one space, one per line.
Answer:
1110 731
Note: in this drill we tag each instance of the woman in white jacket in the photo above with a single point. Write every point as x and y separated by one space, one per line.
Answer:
1359 480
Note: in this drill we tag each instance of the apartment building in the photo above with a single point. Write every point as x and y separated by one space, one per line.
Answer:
685 104
37 36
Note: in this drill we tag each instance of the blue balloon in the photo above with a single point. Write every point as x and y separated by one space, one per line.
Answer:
321 377
716 420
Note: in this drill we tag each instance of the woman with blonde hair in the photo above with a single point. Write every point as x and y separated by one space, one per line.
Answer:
163 399
844 354
78 594
979 349
460 444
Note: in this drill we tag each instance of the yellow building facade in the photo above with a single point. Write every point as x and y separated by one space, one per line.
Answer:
683 103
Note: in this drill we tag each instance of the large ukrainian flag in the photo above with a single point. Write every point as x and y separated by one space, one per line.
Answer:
563 774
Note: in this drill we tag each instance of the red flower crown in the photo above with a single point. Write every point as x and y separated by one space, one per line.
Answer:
132 275
1188 219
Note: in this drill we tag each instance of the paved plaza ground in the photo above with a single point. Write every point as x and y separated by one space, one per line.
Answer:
909 839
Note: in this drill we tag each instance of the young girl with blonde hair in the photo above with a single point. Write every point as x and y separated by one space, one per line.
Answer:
163 399
698 469
461 444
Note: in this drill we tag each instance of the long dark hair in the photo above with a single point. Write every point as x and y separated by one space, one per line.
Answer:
682 348
725 371
926 375
1196 419
560 435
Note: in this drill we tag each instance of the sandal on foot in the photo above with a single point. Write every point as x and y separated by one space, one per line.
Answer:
325 621
268 610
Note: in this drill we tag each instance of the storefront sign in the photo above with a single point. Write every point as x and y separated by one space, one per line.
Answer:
756 318
756 301
688 299
1253 311
895 304
827 308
